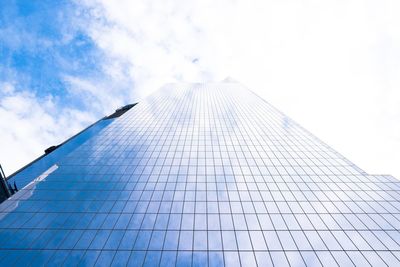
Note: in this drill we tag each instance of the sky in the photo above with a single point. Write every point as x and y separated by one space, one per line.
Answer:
332 66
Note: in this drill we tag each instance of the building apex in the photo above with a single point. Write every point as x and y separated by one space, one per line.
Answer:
229 79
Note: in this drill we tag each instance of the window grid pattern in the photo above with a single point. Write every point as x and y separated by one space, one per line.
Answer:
203 174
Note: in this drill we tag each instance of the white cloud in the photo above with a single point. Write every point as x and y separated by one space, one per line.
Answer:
333 66
97 97
30 124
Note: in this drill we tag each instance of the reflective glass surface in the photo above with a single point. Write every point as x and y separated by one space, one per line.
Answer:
31 171
203 175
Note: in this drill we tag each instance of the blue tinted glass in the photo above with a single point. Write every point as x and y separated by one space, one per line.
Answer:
196 175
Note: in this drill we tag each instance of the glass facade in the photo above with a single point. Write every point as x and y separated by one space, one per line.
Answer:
197 175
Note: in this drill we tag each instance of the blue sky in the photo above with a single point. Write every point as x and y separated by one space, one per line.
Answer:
43 42
333 66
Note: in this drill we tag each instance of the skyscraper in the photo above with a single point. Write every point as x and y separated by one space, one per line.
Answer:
199 174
